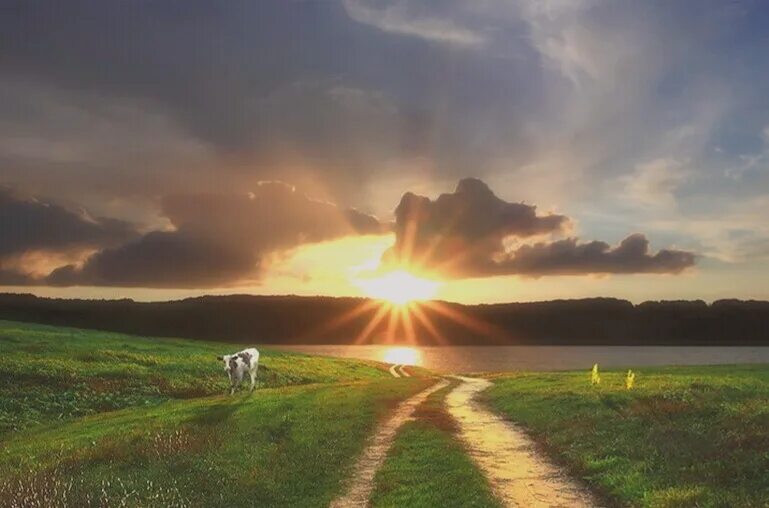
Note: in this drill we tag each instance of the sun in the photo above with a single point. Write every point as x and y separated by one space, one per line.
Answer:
401 310
399 287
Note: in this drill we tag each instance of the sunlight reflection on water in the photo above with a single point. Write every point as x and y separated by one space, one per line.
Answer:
402 355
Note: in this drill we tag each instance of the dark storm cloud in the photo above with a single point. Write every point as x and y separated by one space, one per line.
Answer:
221 68
14 278
260 83
219 239
568 257
160 260
349 87
272 216
471 216
463 234
115 103
28 225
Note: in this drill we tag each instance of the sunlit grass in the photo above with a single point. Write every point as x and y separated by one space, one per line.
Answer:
684 436
53 373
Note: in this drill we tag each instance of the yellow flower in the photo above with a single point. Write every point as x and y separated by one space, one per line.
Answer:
630 379
595 378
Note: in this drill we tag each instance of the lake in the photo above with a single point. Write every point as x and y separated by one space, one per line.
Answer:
452 359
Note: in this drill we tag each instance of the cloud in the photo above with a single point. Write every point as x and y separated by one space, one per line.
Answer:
87 147
161 260
654 183
568 257
219 239
109 108
754 163
33 231
112 106
28 224
729 232
272 216
467 234
400 18
14 278
465 228
563 90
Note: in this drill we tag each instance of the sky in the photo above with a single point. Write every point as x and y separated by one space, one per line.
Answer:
493 150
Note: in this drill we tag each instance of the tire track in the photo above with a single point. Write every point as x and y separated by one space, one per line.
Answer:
361 484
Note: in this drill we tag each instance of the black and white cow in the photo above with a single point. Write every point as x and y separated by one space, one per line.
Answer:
236 366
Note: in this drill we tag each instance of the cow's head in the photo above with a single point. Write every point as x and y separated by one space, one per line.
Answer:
227 363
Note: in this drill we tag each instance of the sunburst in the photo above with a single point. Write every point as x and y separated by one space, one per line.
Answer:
401 312
399 287
402 305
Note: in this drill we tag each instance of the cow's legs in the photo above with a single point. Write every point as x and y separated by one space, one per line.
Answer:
253 377
236 383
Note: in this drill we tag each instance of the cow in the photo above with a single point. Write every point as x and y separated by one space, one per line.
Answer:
236 366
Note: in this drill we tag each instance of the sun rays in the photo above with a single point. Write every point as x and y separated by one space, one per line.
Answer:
401 288
412 323
401 309
401 282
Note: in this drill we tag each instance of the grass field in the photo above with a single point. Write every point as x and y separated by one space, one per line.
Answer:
90 418
684 436
428 466
172 443
52 373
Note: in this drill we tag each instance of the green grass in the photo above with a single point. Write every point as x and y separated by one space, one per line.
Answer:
102 419
684 436
428 467
52 373
290 446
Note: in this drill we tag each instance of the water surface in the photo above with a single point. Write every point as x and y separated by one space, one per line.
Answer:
453 359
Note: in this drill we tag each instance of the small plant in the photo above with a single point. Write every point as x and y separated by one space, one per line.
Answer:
595 377
630 379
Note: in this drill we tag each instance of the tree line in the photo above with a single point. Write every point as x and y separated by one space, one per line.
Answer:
326 320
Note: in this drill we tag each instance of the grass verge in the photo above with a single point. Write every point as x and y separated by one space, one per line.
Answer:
684 436
428 467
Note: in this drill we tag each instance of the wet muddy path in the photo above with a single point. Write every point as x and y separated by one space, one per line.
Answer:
517 471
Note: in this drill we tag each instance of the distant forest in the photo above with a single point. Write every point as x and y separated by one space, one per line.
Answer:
321 320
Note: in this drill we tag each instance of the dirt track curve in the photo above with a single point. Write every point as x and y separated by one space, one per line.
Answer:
519 474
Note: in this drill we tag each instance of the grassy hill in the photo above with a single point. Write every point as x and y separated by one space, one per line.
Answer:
52 373
95 419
